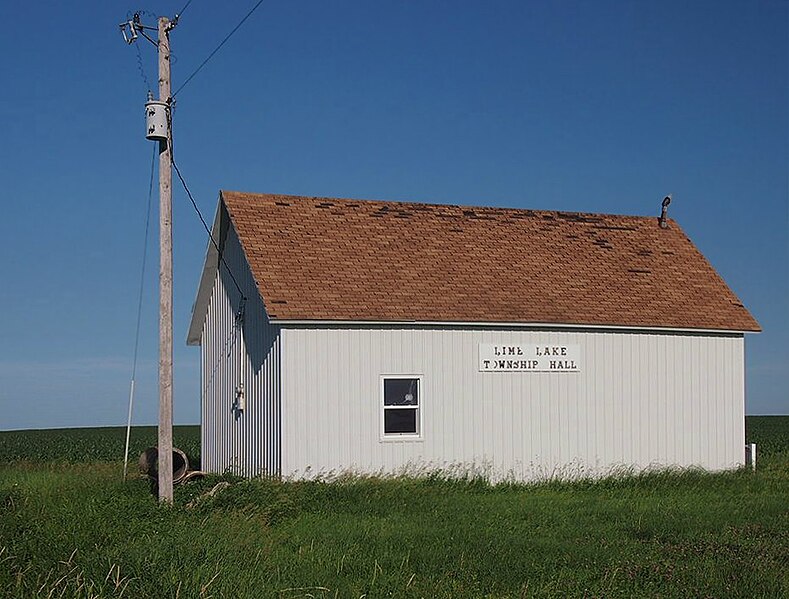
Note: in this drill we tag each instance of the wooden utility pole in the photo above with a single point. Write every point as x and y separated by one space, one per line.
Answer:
165 444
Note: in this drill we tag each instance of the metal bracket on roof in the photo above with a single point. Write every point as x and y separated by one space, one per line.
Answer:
664 211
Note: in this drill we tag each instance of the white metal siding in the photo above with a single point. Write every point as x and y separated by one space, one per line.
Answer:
641 400
246 443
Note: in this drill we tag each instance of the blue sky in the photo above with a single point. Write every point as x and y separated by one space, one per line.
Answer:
588 106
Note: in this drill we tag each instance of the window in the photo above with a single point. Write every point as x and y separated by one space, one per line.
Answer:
401 406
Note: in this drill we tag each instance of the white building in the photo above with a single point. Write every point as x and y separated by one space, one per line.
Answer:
375 337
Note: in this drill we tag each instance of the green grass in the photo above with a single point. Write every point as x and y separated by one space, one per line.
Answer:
71 529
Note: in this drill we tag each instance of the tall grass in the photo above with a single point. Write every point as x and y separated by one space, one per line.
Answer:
76 530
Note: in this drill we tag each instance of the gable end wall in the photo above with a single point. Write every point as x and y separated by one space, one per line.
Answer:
245 443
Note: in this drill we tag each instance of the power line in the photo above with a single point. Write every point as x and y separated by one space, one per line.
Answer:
207 228
181 12
210 56
230 343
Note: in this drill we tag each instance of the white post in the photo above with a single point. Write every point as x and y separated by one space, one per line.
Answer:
128 430
750 455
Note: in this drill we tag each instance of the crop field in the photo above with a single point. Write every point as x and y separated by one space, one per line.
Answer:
70 527
90 445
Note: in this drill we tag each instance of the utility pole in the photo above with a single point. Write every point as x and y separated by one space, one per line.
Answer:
158 115
165 443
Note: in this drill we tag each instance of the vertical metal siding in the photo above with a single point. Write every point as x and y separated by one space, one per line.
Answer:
641 400
245 443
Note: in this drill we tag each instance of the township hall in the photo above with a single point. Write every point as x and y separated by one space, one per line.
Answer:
378 337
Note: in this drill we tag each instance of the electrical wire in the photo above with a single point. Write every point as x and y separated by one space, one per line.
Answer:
230 343
222 260
206 227
238 321
239 317
222 43
141 69
147 13
181 12
140 66
139 311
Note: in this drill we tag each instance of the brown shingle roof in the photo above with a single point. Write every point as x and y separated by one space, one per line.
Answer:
333 259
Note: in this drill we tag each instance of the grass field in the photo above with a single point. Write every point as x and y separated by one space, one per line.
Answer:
71 528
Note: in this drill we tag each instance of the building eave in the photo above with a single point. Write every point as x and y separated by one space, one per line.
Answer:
503 325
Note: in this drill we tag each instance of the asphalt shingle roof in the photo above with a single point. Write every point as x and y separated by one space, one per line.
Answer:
359 260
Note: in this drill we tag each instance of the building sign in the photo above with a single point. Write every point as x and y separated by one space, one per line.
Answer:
529 358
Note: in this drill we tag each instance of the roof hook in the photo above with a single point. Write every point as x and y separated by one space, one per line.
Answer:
666 202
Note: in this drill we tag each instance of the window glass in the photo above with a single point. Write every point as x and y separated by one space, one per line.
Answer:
401 392
401 406
400 421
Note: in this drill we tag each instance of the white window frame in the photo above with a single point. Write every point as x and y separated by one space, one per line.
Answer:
419 409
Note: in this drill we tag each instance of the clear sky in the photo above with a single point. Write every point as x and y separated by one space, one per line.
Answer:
579 106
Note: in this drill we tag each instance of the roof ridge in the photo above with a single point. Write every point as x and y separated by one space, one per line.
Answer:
275 196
